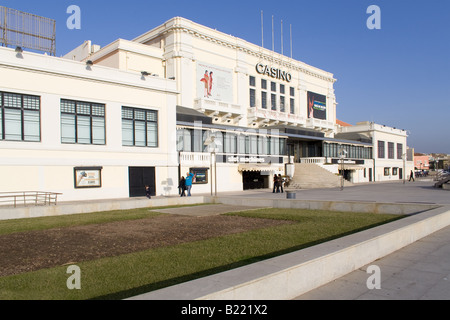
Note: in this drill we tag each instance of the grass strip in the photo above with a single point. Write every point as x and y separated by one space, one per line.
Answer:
133 274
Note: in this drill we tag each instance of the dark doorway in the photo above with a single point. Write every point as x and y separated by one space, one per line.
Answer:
254 180
139 177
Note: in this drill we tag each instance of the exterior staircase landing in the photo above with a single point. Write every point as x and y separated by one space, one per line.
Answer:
313 176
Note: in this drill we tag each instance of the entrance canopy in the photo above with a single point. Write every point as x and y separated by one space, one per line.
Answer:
256 167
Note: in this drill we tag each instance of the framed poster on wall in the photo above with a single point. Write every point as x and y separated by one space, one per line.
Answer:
88 177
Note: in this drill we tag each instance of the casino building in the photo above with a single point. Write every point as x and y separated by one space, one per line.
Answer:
184 98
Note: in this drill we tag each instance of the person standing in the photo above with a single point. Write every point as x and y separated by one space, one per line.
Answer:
412 177
182 187
280 184
189 178
275 183
147 192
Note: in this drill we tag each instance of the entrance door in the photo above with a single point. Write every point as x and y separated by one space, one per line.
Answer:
400 173
139 177
254 180
370 174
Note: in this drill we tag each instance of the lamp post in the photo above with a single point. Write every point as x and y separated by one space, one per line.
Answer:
212 144
404 168
342 154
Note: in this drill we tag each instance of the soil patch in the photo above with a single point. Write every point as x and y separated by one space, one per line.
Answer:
32 251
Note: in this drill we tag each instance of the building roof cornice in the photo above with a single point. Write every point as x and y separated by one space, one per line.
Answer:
182 25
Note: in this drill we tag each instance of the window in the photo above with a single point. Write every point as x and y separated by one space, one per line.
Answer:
82 122
391 151
252 92
274 102
282 104
252 81
264 100
381 149
263 84
252 98
20 117
273 86
230 143
292 104
387 171
399 151
139 127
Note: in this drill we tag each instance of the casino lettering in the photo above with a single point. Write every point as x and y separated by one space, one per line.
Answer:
273 72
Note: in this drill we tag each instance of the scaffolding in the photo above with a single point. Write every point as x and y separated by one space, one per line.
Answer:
26 30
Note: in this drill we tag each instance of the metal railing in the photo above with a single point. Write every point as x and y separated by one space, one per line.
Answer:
26 198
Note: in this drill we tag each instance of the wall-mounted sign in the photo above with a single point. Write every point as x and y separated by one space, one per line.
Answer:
273 72
317 106
248 159
200 175
88 177
214 82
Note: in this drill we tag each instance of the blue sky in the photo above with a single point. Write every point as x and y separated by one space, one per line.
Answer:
397 76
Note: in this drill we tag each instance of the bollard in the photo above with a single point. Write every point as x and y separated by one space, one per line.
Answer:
291 195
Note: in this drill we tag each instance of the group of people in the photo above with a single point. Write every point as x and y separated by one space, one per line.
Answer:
278 184
186 184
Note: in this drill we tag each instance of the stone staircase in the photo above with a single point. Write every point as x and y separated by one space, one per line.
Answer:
313 176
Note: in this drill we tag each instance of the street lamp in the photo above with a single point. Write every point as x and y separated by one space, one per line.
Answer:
213 145
404 168
342 154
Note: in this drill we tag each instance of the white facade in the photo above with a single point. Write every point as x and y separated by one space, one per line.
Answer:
260 107
392 158
48 163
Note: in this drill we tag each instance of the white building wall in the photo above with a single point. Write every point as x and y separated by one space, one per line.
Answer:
49 165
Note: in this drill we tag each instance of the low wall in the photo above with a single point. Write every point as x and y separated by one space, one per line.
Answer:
350 206
289 276
94 206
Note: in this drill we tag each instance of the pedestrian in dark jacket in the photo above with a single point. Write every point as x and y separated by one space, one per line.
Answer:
182 187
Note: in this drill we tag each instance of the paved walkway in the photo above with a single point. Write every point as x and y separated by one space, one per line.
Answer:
420 271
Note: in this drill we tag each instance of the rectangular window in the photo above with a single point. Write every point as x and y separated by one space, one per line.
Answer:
252 98
399 151
82 122
252 81
387 172
230 143
20 117
391 151
381 150
264 84
292 105
273 86
139 127
274 102
264 100
282 104
282 89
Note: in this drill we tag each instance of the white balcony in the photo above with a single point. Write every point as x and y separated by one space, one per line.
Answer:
264 117
221 112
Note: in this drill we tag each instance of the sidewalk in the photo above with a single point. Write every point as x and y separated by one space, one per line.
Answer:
420 271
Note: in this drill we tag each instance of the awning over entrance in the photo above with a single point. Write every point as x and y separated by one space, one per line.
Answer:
353 167
256 167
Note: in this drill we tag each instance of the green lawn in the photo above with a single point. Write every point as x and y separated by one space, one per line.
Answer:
128 275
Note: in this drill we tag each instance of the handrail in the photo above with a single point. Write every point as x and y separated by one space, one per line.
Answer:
25 198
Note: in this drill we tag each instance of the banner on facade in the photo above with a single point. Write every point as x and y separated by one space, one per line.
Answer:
317 106
214 82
